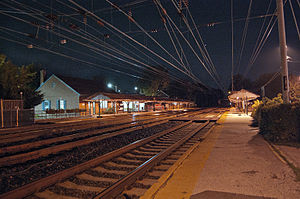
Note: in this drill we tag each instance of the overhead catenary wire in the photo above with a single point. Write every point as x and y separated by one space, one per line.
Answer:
36 45
259 47
88 63
244 36
260 32
180 46
272 78
294 17
199 35
204 52
70 57
188 43
130 38
23 20
98 50
173 43
116 51
144 31
262 42
120 38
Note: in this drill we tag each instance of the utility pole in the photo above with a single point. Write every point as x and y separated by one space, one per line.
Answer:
232 60
283 52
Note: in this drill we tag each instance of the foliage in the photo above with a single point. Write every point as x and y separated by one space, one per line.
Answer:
294 88
151 84
15 79
278 122
275 101
255 109
257 106
240 82
272 88
181 91
109 111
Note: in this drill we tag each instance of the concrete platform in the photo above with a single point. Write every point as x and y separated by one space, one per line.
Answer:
234 161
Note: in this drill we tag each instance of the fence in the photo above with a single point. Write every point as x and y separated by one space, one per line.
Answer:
13 114
39 115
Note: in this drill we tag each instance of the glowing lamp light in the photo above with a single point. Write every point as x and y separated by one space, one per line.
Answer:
109 85
135 88
63 41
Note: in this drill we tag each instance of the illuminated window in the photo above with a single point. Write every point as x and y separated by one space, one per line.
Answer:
46 104
61 104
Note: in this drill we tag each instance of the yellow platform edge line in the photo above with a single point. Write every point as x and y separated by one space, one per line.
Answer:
154 189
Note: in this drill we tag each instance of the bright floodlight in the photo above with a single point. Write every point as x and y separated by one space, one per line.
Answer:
135 88
109 85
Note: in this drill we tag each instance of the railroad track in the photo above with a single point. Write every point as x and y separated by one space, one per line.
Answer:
27 133
36 148
61 175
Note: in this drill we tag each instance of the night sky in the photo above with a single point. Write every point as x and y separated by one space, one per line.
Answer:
90 38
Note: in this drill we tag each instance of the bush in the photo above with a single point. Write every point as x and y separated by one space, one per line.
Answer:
109 111
277 122
256 109
280 122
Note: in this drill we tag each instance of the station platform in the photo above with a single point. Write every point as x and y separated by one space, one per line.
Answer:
233 162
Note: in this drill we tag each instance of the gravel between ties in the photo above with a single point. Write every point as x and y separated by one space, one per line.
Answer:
15 176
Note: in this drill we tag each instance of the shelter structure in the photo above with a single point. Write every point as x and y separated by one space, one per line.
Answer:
242 98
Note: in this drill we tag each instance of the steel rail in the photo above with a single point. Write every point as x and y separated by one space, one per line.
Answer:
20 132
21 158
75 127
37 127
33 187
35 154
65 138
126 181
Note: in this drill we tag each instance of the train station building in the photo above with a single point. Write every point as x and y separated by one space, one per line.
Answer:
66 94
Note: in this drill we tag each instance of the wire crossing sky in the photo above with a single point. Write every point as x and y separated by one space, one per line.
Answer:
202 42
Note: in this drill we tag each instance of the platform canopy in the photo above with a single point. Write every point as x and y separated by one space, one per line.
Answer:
242 95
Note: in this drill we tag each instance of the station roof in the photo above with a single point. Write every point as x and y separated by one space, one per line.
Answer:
130 97
242 95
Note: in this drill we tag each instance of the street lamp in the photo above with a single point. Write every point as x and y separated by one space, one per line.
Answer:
135 88
110 85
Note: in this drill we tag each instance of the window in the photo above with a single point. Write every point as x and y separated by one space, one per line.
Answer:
61 104
94 107
46 104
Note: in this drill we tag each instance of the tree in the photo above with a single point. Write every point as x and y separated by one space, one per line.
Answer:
151 84
272 84
240 82
15 79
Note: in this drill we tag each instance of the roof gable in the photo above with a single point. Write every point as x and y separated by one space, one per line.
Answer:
54 76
